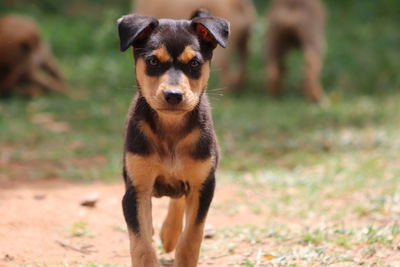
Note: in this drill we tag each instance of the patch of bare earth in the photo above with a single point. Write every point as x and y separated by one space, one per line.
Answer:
42 222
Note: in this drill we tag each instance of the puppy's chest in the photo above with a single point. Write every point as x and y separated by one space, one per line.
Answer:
176 170
174 159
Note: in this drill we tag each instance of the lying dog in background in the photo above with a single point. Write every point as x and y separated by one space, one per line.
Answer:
170 145
240 14
25 60
296 24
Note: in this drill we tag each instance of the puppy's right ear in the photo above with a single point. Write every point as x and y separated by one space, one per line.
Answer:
212 30
132 28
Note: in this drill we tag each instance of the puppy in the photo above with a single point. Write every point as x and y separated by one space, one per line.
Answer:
170 145
240 14
25 60
296 24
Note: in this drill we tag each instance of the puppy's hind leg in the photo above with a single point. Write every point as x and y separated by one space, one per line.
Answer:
172 226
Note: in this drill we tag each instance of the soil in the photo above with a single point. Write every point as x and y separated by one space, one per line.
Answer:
43 222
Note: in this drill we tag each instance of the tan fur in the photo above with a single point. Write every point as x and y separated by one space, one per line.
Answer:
296 23
162 54
144 253
172 125
25 59
173 224
181 167
170 163
153 88
189 243
240 14
187 54
143 171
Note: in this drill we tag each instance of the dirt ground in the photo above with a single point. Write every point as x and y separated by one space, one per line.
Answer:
42 222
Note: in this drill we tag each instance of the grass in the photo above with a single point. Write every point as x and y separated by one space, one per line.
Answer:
325 177
79 229
254 131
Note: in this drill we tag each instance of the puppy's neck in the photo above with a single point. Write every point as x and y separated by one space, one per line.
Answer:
171 122
168 126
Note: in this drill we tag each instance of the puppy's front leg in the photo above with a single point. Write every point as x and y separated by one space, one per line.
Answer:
197 205
137 211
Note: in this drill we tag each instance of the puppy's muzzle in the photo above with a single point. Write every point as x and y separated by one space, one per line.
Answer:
173 96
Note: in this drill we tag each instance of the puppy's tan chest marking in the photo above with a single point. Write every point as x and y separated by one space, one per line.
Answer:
171 145
172 168
168 175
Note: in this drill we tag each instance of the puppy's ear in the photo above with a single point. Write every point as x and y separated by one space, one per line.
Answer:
132 28
211 29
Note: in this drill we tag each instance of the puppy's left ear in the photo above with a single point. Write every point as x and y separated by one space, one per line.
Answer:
132 28
212 30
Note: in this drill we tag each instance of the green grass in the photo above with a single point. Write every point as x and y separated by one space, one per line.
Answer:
360 78
336 162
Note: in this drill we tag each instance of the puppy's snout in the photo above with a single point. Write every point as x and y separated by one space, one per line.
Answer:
173 96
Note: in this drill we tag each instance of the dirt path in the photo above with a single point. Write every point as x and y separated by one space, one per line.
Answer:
43 223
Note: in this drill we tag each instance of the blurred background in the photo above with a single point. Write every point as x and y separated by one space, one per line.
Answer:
360 77
348 143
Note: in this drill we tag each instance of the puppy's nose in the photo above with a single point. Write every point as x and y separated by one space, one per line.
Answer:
173 96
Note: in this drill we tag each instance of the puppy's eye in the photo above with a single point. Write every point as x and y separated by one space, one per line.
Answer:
154 61
194 63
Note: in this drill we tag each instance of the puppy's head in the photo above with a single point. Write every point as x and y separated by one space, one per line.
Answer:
172 57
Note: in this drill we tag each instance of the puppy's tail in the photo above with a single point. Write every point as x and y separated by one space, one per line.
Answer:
201 12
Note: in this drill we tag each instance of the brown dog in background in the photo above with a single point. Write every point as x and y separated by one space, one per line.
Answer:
240 14
25 60
296 24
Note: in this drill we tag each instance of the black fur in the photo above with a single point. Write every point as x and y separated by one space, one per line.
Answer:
164 31
129 205
206 196
162 67
143 112
218 27
204 146
136 141
146 34
199 117
131 27
173 190
158 70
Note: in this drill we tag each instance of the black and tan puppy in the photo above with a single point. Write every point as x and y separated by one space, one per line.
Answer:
170 145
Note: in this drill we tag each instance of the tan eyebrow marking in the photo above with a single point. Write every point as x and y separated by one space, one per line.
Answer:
187 54
162 54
